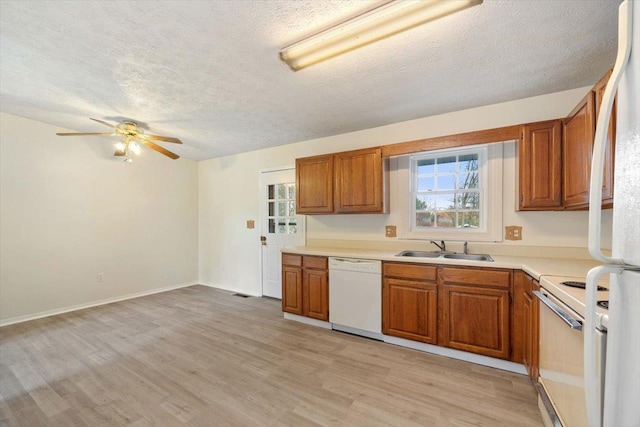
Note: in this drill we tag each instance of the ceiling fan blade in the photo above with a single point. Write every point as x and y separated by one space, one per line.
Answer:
104 123
158 148
92 133
163 138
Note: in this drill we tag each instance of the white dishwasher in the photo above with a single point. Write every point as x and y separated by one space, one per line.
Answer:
355 296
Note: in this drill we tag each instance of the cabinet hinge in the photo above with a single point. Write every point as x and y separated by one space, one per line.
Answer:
522 197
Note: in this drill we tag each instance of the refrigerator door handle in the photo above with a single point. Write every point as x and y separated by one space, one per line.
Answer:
592 388
625 28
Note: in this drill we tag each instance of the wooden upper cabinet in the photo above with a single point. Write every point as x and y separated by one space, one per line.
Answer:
314 179
540 166
358 181
579 128
347 182
607 182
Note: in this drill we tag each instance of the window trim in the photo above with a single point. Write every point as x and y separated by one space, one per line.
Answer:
491 211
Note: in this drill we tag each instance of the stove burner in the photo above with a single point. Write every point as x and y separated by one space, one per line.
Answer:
604 304
580 285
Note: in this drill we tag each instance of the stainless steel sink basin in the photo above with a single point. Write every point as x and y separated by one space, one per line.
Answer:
420 254
470 257
446 255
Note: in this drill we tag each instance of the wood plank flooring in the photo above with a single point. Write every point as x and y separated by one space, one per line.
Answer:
198 356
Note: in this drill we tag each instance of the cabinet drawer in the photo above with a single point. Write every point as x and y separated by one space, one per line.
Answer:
319 262
293 260
409 271
477 277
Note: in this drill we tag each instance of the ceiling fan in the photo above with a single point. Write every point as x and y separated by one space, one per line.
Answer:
131 135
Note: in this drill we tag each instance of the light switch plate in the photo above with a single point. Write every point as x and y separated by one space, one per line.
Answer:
390 231
251 223
513 232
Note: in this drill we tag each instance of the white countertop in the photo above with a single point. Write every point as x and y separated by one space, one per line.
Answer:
534 266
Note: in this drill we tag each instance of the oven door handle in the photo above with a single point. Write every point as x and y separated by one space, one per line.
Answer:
566 317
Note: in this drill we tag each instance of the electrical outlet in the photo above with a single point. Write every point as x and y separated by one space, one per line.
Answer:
390 231
100 278
513 232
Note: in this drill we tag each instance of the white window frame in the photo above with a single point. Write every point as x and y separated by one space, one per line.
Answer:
490 159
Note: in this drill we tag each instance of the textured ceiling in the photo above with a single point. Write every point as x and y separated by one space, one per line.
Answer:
208 72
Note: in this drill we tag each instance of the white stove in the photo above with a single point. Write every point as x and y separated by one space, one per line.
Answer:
561 357
575 297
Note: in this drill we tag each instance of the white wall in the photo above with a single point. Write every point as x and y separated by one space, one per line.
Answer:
228 190
70 210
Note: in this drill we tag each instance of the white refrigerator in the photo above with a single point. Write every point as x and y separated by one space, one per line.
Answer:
620 405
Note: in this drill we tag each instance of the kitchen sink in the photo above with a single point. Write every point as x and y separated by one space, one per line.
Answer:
470 257
420 254
426 254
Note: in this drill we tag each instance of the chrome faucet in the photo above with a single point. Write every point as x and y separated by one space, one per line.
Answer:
465 251
441 246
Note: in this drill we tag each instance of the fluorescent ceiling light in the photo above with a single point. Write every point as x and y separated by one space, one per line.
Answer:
384 21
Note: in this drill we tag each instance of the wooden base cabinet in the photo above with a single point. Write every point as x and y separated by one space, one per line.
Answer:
410 301
525 323
305 286
475 310
410 310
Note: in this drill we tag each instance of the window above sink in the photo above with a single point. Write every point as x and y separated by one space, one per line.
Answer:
453 194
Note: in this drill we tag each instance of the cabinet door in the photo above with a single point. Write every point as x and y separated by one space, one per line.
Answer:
475 320
315 291
314 183
292 290
358 183
607 181
535 333
540 166
527 317
409 310
577 143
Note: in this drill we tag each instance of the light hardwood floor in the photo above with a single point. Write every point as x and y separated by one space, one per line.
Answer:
202 357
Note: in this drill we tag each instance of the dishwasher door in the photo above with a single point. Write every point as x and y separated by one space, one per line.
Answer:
355 295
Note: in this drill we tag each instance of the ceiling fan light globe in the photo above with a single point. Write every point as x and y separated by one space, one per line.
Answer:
135 148
119 146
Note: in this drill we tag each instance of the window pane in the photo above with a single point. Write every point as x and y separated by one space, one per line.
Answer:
272 225
282 226
293 228
271 209
292 191
446 219
445 201
425 166
446 164
469 219
468 200
468 180
468 162
424 219
446 182
282 191
292 209
282 208
426 184
270 191
425 202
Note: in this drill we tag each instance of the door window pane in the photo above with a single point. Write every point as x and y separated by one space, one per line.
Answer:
281 208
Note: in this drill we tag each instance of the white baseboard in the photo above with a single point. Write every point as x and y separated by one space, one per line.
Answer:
26 318
505 365
308 320
231 289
